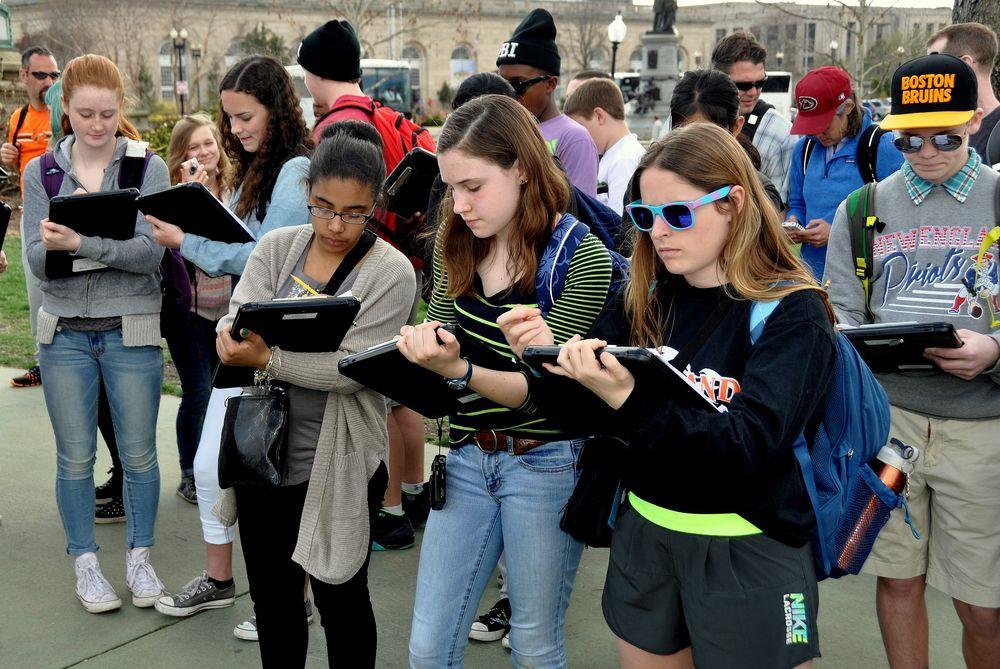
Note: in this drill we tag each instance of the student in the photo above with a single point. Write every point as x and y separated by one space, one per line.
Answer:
743 59
318 520
263 133
530 61
505 198
195 154
709 95
599 107
976 44
832 117
715 529
952 414
582 76
100 327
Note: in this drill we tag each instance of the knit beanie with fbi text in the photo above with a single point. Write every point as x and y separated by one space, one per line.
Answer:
533 43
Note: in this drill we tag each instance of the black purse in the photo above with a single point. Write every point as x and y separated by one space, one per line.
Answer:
254 445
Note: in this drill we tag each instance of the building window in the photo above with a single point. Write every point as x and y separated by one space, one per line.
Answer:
719 33
635 60
234 53
166 63
463 64
792 33
414 55
851 36
810 58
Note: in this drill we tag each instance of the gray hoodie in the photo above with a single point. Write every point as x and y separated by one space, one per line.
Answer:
131 289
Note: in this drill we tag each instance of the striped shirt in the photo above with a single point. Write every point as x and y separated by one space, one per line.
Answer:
587 283
775 144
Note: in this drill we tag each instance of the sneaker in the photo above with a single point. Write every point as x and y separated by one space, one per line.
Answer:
92 589
198 595
186 490
247 630
141 579
505 642
418 507
110 512
30 379
391 532
109 489
492 625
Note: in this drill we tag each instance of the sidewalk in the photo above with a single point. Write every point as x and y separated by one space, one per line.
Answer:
42 624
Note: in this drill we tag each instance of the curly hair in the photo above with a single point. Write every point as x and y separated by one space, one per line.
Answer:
286 136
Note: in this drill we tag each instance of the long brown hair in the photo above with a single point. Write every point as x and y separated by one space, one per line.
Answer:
98 71
181 137
499 130
756 257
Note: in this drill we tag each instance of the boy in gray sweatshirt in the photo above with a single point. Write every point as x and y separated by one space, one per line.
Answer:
934 215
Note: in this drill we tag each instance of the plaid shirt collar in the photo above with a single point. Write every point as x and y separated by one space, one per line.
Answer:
958 186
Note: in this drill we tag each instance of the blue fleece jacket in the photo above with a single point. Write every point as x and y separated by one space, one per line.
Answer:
827 182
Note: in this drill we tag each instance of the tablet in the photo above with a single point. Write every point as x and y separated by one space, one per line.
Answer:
900 347
384 369
107 214
5 212
408 185
194 209
301 325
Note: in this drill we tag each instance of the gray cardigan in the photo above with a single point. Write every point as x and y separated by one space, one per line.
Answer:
333 534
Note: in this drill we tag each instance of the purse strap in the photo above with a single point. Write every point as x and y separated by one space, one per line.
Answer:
350 261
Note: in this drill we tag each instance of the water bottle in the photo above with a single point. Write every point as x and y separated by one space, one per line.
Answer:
893 464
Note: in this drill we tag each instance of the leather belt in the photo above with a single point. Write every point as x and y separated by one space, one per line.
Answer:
489 441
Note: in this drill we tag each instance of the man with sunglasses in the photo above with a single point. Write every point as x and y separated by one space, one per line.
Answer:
530 62
743 58
28 134
932 245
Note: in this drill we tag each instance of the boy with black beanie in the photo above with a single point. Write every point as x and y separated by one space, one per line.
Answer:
330 56
530 61
934 258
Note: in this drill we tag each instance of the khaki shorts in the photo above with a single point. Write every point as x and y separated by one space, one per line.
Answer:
954 499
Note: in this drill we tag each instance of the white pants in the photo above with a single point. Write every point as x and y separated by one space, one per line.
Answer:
206 468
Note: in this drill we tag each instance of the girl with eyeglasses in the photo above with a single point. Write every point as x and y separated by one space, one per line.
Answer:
711 547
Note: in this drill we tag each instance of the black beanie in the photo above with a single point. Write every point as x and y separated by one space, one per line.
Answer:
533 43
332 51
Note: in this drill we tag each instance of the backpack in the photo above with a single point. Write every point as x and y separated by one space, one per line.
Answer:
399 134
175 282
867 154
834 459
553 265
754 118
601 219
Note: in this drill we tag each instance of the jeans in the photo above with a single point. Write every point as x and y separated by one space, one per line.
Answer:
497 502
73 366
191 340
269 529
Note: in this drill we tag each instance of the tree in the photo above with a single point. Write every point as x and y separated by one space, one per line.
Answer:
886 55
260 41
983 11
145 88
583 32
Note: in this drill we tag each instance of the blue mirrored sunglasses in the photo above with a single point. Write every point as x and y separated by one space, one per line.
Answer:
678 215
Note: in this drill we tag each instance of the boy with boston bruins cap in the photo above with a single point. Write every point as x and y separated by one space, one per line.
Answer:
935 259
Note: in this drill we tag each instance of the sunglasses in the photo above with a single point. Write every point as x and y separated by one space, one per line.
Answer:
913 143
678 215
42 76
349 217
521 86
747 85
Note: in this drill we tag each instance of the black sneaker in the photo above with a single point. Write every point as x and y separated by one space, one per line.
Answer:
30 379
111 512
492 625
417 507
109 489
186 490
391 533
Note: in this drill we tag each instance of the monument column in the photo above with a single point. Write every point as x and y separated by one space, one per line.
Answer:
659 69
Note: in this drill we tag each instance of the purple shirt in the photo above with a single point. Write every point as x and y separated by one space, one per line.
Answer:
571 144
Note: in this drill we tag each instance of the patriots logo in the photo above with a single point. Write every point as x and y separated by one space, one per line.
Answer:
807 103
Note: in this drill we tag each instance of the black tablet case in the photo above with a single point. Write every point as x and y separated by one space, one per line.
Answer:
5 213
194 209
409 184
108 214
893 348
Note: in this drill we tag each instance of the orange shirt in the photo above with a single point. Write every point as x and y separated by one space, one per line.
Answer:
33 137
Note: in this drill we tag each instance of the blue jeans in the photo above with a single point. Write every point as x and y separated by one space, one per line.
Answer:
73 366
191 340
496 502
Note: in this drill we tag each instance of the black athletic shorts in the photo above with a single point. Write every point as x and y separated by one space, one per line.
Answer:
736 601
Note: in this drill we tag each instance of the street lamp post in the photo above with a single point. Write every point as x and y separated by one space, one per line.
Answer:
180 45
833 51
697 59
196 55
616 34
780 56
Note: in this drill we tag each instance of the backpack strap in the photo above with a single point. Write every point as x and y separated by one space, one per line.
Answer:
759 313
134 164
52 174
550 279
20 123
754 118
867 152
863 222
807 150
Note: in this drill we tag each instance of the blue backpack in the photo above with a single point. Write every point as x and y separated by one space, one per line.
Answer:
834 461
553 265
602 220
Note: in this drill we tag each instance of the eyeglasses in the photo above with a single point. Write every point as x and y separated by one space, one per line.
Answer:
42 76
521 86
913 143
349 217
678 215
747 85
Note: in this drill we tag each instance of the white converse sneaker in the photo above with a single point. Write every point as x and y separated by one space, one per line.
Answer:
141 579
92 589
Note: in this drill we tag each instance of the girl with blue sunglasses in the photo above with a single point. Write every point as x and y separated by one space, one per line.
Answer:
711 545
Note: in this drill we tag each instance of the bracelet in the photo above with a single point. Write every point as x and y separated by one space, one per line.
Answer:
261 376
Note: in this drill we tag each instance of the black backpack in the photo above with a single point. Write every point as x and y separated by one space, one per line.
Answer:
867 156
754 118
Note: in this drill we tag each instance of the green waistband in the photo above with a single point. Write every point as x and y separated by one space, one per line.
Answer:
710 524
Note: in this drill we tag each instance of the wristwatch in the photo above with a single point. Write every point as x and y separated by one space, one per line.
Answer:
460 382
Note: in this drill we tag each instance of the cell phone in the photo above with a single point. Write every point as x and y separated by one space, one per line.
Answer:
436 482
794 225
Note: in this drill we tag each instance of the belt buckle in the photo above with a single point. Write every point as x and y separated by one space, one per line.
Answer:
496 442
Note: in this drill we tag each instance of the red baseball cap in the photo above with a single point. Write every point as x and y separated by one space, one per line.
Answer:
817 96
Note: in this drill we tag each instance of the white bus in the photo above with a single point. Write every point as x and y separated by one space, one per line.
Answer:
387 81
777 91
